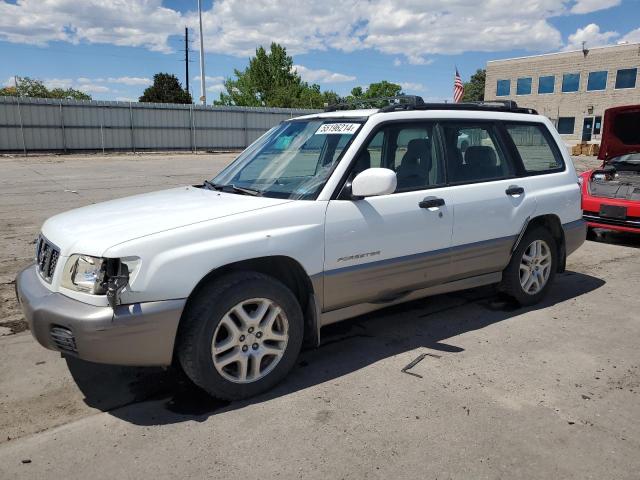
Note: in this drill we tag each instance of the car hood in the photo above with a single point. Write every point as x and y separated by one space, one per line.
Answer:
621 132
93 229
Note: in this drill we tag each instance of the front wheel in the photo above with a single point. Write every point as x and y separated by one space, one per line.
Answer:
240 335
532 268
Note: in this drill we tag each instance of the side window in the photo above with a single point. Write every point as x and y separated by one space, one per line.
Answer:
473 153
534 148
409 150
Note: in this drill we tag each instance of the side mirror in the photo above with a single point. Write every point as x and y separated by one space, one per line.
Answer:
373 182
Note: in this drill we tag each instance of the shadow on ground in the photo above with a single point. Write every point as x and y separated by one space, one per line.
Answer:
626 239
169 397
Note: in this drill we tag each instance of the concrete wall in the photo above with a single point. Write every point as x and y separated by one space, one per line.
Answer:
578 104
44 125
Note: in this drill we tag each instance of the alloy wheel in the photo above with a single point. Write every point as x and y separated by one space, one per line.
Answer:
250 340
535 267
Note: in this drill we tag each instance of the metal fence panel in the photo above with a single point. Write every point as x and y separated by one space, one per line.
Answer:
47 125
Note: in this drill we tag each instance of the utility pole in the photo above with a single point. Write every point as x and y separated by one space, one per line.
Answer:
186 57
203 95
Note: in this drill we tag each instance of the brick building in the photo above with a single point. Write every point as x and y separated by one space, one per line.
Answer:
571 88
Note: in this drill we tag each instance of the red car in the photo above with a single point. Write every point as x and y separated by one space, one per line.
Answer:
611 193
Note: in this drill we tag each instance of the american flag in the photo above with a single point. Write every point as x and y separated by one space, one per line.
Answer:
458 88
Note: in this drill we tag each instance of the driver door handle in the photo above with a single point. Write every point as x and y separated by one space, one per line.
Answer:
431 202
514 190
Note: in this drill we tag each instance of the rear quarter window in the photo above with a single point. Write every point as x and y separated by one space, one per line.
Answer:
533 143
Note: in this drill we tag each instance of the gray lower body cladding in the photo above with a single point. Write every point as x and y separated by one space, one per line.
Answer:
387 280
141 334
384 281
575 233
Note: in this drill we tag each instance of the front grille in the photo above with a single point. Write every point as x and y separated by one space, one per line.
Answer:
47 255
63 339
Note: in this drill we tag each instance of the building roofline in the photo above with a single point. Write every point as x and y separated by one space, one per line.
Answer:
630 44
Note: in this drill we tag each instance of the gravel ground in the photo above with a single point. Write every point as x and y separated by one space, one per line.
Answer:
549 391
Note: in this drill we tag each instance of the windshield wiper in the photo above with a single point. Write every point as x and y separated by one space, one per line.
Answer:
231 188
210 185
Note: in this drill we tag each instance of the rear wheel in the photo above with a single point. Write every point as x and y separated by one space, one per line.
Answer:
532 268
241 335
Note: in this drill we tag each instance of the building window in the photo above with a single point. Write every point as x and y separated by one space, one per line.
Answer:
523 86
503 88
626 78
566 125
597 125
546 84
597 81
570 82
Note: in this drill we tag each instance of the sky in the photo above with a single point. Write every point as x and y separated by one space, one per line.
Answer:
111 48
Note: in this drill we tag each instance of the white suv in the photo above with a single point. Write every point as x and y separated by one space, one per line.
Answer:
324 217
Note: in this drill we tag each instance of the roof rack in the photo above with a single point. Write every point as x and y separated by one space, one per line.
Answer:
400 102
492 105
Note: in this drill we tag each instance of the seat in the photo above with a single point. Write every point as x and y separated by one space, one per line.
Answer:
415 165
482 163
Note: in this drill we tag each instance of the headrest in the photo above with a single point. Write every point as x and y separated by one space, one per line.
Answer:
480 156
418 149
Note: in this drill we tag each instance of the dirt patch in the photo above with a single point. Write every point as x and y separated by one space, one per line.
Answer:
15 326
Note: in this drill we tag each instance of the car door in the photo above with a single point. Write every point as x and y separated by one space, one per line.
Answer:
490 204
379 248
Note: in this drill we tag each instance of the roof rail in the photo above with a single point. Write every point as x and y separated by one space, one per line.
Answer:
397 102
489 105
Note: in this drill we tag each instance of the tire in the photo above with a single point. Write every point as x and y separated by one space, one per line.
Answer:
512 281
227 309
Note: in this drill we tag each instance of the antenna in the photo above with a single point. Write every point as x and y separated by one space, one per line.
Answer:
585 50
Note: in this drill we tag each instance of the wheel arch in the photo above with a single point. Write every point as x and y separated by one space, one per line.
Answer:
552 223
284 269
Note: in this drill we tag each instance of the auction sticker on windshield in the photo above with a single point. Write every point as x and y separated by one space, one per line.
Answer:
338 129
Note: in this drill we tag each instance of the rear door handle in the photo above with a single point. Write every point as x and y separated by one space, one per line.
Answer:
514 190
431 202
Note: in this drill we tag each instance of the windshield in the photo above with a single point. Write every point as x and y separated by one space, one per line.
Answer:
292 160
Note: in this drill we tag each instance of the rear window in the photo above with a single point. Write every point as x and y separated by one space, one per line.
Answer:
536 152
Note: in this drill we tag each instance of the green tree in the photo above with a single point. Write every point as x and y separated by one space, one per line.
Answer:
69 94
29 87
271 81
379 89
166 89
474 88
375 90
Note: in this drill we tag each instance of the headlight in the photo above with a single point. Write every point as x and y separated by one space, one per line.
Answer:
97 276
85 274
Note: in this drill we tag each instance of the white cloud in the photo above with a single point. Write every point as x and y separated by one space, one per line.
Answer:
397 62
84 84
93 88
590 34
411 87
128 80
410 30
322 75
587 6
132 23
207 78
126 99
632 37
216 87
58 82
